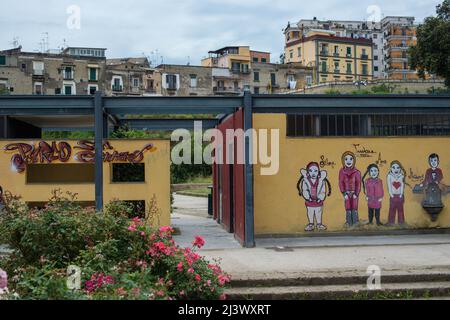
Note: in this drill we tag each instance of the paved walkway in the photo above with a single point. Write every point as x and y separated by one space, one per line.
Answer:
190 216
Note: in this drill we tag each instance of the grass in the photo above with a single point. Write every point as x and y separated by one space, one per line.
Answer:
200 179
202 192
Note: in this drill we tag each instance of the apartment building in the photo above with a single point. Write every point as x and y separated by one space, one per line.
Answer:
342 28
185 80
66 73
399 33
131 76
334 58
269 78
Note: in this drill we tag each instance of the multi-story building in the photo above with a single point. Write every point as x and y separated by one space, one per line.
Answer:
68 73
185 80
342 28
399 33
268 78
131 76
333 58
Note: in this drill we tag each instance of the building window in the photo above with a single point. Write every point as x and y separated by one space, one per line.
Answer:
324 66
375 68
263 60
136 82
256 76
273 79
299 52
256 90
255 59
336 51
57 91
38 88
349 51
349 67
128 172
309 80
291 54
60 173
92 89
92 74
364 69
171 81
375 57
38 68
2 60
68 73
193 81
300 125
336 67
68 90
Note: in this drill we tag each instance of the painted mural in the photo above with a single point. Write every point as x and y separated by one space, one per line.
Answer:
314 187
373 189
84 151
350 187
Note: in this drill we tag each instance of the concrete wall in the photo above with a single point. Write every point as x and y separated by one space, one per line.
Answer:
279 209
157 176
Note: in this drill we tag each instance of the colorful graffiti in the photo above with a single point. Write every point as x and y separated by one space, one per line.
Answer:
373 189
312 186
396 187
44 152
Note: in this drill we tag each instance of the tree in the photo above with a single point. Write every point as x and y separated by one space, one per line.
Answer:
432 51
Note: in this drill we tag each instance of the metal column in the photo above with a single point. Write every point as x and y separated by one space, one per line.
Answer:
249 214
99 130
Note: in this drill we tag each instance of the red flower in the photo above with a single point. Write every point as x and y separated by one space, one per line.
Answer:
198 242
180 266
198 278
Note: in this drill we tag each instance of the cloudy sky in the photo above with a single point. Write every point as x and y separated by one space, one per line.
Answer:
178 31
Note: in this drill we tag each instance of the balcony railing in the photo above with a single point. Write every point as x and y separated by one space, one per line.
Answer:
323 53
364 56
117 88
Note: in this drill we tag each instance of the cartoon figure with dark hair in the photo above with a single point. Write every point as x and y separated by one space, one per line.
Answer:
396 186
2 199
373 188
312 187
350 187
434 173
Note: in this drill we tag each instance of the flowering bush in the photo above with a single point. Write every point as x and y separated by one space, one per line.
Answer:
120 258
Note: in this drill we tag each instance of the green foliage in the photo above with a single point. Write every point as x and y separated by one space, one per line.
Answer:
75 135
332 92
119 258
432 52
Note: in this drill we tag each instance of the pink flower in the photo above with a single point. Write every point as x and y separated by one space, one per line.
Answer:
182 293
137 220
190 270
198 278
3 279
198 242
223 296
223 279
180 266
166 229
132 228
142 233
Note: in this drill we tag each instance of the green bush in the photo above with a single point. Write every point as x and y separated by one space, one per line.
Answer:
120 258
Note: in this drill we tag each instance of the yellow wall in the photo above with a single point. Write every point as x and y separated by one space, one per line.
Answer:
157 177
280 210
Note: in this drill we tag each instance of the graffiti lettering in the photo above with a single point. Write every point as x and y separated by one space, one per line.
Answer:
362 152
324 162
43 152
380 162
415 177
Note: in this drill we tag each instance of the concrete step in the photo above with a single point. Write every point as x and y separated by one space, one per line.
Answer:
349 291
337 278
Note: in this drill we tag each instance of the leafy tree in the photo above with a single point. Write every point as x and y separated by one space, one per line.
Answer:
432 52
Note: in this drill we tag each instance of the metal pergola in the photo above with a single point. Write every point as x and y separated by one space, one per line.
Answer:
99 113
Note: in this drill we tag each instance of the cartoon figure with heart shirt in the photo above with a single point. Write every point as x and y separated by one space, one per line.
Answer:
396 187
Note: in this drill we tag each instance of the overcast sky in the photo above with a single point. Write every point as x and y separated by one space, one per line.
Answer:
179 29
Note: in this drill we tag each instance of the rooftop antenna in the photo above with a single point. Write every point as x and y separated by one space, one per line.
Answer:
189 60
45 42
15 42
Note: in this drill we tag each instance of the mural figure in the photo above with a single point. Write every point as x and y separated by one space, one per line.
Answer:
350 187
312 186
434 173
373 189
396 187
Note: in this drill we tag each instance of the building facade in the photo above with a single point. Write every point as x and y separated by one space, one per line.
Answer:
186 80
52 74
399 33
131 76
333 58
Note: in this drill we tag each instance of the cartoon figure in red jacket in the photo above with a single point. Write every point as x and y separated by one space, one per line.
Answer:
373 188
312 186
350 186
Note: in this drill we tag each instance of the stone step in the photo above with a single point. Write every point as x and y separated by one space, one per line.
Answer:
337 278
351 291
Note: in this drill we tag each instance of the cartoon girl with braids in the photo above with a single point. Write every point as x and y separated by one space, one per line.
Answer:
350 187
373 189
396 186
312 186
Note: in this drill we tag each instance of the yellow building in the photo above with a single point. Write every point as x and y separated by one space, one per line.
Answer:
136 171
334 58
280 207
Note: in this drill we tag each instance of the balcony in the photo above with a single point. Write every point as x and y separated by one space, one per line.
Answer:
323 53
117 88
227 90
336 71
364 56
336 54
68 76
